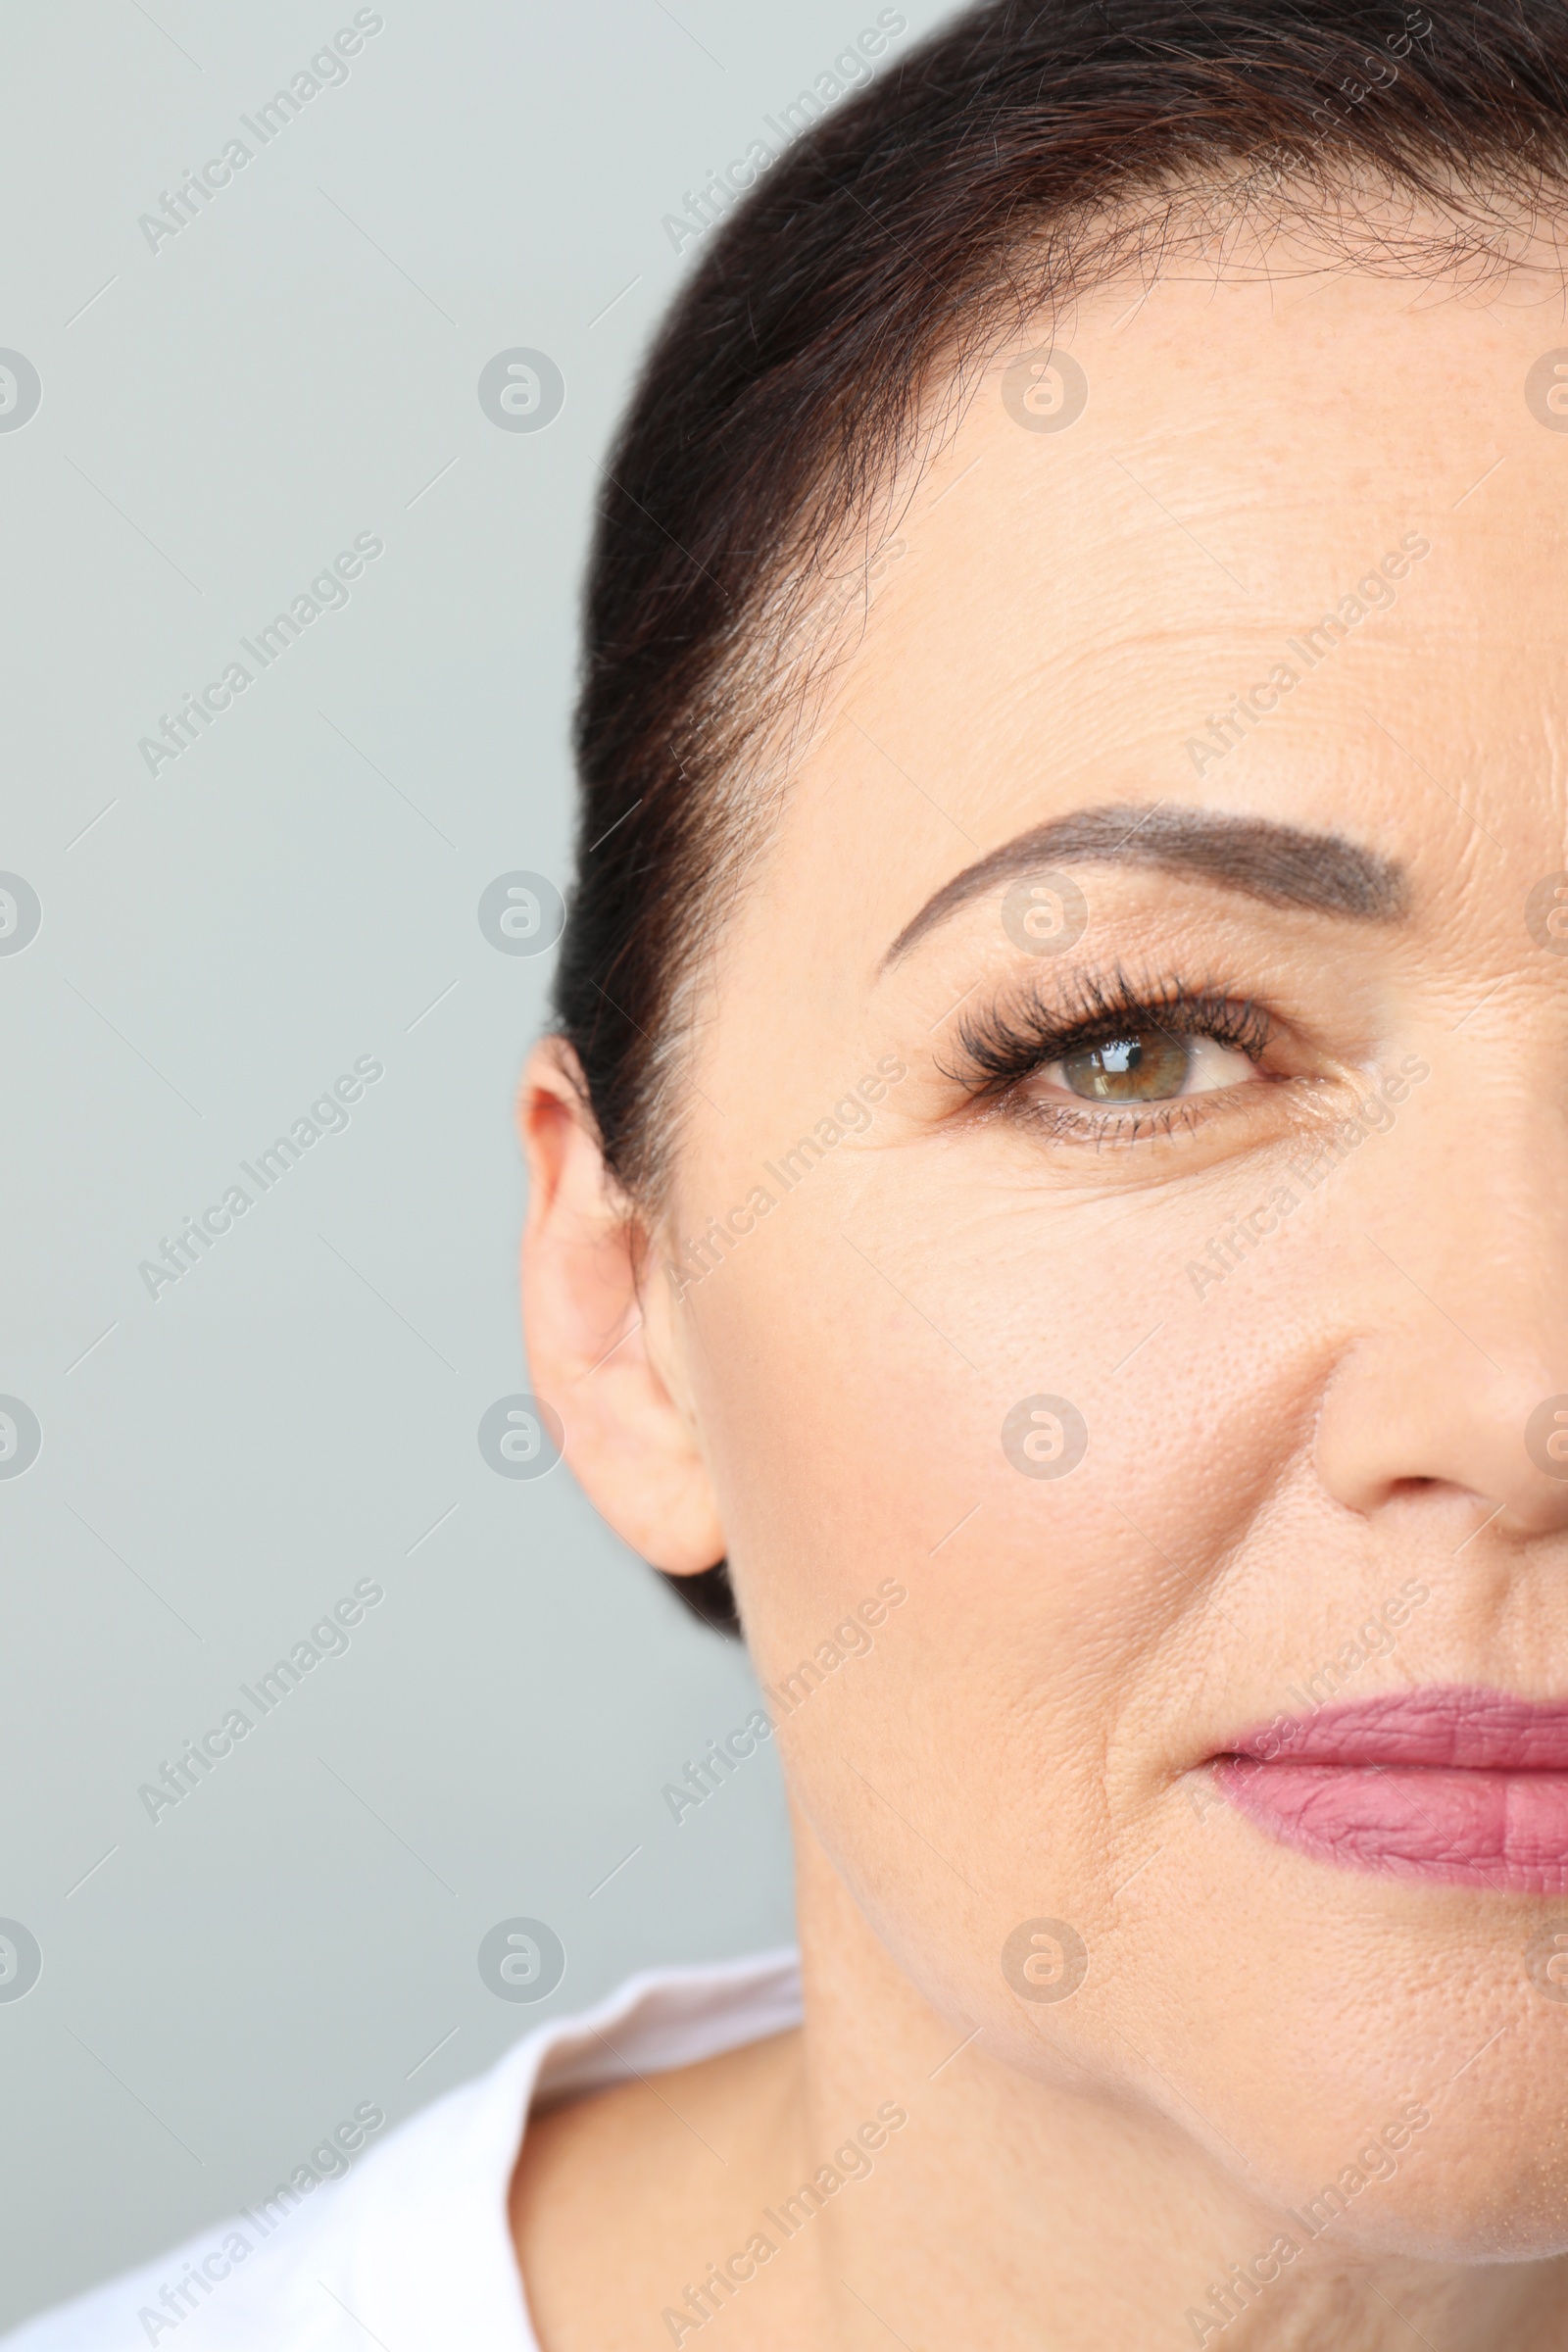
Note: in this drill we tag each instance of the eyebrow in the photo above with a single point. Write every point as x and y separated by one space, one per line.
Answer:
1252 854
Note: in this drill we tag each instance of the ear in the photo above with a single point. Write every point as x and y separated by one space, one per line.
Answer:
630 1436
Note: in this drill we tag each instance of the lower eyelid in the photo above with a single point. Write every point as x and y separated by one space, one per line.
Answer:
1071 1120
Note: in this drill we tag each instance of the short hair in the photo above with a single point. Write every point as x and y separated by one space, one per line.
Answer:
1007 167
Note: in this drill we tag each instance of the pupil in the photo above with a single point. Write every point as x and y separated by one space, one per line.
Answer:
1143 1066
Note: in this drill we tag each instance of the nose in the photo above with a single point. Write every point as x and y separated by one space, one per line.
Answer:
1459 1379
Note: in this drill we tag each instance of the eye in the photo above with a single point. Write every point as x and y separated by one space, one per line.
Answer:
1132 1050
1148 1065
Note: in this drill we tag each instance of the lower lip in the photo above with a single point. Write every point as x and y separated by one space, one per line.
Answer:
1468 1788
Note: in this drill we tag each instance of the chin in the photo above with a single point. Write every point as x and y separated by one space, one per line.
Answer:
1485 2213
1463 2170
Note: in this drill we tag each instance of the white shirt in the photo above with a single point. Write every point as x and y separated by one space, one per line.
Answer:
413 2247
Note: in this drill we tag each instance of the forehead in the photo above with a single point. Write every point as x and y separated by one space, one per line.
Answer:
1073 605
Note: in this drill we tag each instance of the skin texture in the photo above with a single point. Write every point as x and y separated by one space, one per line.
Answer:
1274 1452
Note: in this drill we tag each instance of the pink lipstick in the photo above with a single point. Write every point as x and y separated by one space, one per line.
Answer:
1465 1786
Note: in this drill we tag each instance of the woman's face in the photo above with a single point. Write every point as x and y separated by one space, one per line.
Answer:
1153 1250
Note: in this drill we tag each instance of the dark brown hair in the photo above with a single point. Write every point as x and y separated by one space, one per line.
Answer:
1000 171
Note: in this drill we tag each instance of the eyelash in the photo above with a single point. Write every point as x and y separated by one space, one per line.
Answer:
1004 1046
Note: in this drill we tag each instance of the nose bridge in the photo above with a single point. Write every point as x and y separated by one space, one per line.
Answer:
1458 1366
1476 1213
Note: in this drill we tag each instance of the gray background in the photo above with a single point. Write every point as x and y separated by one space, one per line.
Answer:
219 1464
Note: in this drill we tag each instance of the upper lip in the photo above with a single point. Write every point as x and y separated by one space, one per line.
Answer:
1453 1725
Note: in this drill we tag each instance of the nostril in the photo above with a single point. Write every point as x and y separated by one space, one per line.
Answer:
1418 1484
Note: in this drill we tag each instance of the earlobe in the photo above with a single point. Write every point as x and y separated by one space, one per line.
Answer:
630 1440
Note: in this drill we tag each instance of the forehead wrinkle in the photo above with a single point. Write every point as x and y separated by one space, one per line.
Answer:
1254 855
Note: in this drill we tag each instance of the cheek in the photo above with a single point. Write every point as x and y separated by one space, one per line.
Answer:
960 1416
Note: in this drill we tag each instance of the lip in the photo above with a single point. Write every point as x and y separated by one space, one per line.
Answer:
1460 1784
